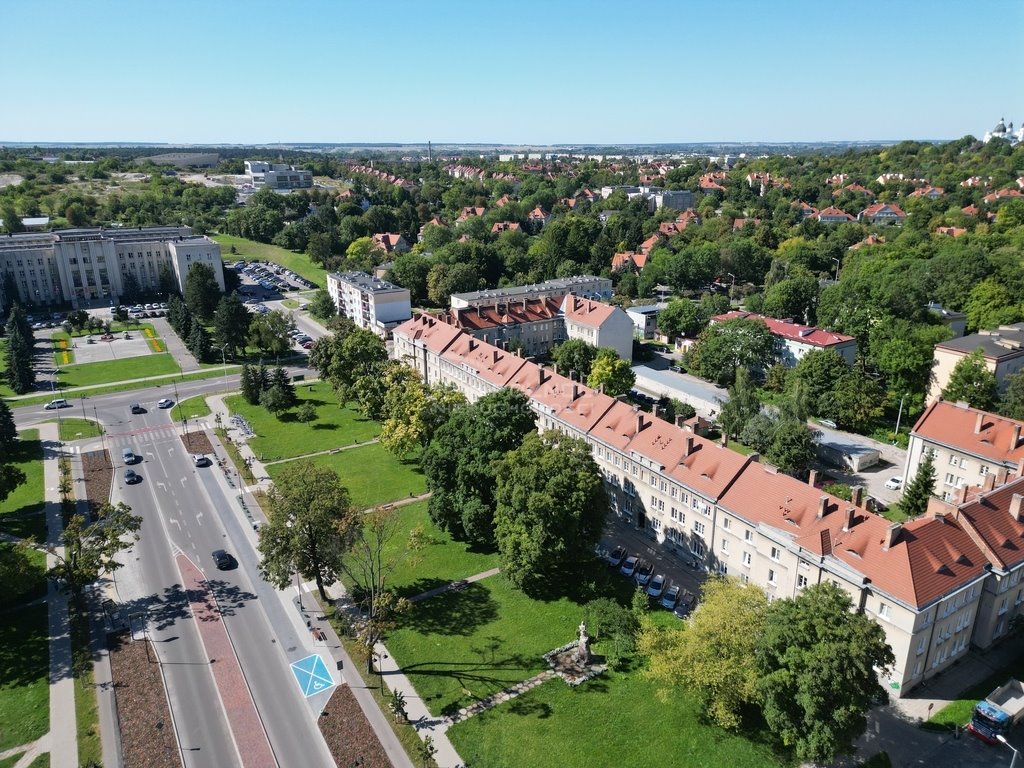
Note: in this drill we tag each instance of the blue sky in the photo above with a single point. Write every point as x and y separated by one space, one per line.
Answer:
530 71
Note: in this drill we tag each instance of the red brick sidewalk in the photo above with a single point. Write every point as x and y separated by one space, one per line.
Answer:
243 719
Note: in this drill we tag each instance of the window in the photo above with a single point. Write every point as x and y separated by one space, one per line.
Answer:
771 577
776 553
963 463
953 461
983 470
883 610
726 523
917 669
920 646
725 546
801 581
746 559
675 492
748 535
950 478
698 527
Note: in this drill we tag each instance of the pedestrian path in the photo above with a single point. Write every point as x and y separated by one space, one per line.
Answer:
322 453
455 585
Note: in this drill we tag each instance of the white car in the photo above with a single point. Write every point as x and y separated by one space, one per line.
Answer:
894 483
164 403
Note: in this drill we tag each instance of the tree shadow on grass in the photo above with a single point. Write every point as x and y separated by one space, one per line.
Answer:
529 708
475 680
25 647
458 612
421 585
322 426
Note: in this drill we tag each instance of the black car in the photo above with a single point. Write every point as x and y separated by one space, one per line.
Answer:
136 408
131 477
616 556
685 605
223 560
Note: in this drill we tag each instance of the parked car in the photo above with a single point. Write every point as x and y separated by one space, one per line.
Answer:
629 567
131 477
616 556
200 460
686 604
644 573
894 483
827 423
164 403
671 597
656 587
223 560
53 405
307 345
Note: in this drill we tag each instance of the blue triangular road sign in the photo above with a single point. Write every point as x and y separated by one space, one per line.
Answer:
312 675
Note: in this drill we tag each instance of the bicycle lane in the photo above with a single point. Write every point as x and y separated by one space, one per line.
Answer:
246 726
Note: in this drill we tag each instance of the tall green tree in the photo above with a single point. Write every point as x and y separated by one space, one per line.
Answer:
89 550
269 334
231 324
201 291
973 383
819 667
574 355
725 347
818 371
611 372
198 343
9 218
131 291
792 447
919 490
1011 403
10 478
8 430
310 525
743 404
551 508
20 374
681 318
321 306
714 656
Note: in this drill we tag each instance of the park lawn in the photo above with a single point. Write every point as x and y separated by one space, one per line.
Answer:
73 428
288 437
439 559
116 326
462 646
615 719
26 501
372 475
24 676
192 408
247 250
107 371
32 587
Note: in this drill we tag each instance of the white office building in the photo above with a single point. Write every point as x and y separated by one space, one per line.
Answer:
277 175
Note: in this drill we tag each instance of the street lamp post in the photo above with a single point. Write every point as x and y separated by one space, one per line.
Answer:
224 360
899 415
837 267
1016 752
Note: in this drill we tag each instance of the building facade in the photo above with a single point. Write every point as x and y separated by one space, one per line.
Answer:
277 175
369 302
793 340
586 286
1002 351
934 584
82 266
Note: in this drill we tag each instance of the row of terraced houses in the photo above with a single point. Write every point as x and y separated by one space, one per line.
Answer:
937 584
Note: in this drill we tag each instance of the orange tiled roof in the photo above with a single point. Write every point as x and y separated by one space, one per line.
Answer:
972 431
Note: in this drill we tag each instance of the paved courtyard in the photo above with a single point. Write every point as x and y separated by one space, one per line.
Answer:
117 349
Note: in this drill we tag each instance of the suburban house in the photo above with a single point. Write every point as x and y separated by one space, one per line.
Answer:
602 325
436 221
631 260
955 321
469 212
714 181
806 211
537 218
855 189
505 226
934 584
369 302
1002 351
651 243
966 444
1008 193
932 193
795 340
950 231
871 239
390 242
833 215
645 320
882 213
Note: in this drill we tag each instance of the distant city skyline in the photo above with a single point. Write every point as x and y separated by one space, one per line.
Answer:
540 73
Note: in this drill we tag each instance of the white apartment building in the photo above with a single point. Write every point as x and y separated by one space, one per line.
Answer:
277 175
935 584
79 266
794 340
368 301
602 325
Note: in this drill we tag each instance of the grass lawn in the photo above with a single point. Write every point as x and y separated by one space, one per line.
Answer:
73 428
26 501
288 437
24 676
5 390
87 717
959 712
246 250
32 587
615 719
290 303
192 407
115 327
107 371
372 475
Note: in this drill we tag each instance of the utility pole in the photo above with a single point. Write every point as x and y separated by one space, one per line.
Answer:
103 442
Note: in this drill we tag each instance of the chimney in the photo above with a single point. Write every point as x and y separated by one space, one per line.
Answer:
964 492
680 420
1016 508
812 478
891 535
572 375
495 356
639 422
472 344
989 482
857 496
689 445
1020 467
1015 437
576 392
822 506
979 422
848 523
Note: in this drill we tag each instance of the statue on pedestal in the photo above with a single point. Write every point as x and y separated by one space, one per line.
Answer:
583 646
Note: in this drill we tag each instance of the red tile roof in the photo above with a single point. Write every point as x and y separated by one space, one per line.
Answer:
805 334
833 214
951 231
586 311
991 517
972 431
928 191
885 210
869 240
505 226
1003 194
506 313
436 335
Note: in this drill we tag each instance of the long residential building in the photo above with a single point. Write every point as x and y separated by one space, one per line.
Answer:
585 286
80 266
935 584
369 302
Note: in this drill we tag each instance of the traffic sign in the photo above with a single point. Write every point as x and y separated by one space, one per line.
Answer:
312 675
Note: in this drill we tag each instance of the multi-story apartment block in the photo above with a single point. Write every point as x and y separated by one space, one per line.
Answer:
602 325
91 264
967 446
586 286
534 325
935 584
793 340
369 302
1002 351
277 175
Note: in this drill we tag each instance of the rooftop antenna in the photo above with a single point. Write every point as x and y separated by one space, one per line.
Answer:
429 158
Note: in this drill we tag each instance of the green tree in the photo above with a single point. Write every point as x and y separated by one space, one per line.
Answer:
792 447
201 291
131 291
793 298
973 383
10 478
726 346
9 218
321 306
1011 404
614 624
8 430
280 379
168 282
274 400
250 385
681 318
819 371
855 403
819 667
611 372
919 490
269 334
231 324
306 413
713 656
551 506
743 404
991 305
198 343
371 389
309 527
574 355
20 374
461 462
89 550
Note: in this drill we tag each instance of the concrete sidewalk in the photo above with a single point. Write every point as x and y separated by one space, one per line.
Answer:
185 359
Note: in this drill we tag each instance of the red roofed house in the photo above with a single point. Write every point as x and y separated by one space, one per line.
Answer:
651 243
795 340
932 193
505 226
833 215
738 224
1009 193
856 189
635 262
950 231
434 222
469 211
390 242
970 210
882 213
871 239
806 211
537 218
602 325
713 181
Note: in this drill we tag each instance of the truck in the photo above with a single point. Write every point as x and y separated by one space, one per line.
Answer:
998 712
